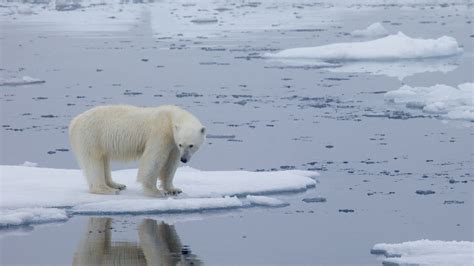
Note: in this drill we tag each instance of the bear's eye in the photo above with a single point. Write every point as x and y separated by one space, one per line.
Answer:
180 145
191 146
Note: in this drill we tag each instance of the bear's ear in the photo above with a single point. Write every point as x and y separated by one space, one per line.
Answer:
203 130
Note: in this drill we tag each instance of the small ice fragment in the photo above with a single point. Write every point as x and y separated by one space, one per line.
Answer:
204 20
346 210
15 81
453 202
24 216
265 201
449 102
425 192
315 199
210 136
374 30
426 252
29 164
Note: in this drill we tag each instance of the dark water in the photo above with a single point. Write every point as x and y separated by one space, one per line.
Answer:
372 156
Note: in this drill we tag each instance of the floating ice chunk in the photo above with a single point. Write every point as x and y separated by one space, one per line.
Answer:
204 20
24 216
210 136
43 187
29 164
449 102
427 252
425 192
147 206
25 80
265 201
392 47
315 199
374 30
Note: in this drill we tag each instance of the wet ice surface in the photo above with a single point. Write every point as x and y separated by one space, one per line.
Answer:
427 252
261 114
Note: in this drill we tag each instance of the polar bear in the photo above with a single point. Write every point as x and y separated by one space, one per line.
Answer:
158 136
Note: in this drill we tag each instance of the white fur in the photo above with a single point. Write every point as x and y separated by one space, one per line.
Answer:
158 136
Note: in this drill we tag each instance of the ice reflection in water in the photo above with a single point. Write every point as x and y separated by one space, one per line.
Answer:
158 244
397 69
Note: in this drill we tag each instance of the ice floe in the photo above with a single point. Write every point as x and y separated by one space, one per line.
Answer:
393 47
427 252
24 216
169 205
45 189
373 31
446 101
18 81
265 201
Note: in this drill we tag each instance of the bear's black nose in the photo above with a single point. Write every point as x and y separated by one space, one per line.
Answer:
184 160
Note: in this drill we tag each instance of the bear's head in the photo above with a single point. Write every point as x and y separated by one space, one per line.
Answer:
188 139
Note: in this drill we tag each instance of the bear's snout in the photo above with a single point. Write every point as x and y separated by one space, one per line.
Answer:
184 160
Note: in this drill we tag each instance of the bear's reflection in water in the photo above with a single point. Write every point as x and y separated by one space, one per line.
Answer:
158 244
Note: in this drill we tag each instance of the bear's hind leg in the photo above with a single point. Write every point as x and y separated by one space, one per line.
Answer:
108 176
94 171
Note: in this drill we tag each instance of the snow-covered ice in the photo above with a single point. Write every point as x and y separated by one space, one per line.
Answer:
18 81
373 31
169 205
24 216
52 188
265 201
427 252
449 102
393 47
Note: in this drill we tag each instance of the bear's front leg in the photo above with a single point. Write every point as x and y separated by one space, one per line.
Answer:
148 172
167 173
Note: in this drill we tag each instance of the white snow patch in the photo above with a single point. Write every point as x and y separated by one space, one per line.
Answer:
10 217
449 102
17 81
43 187
144 206
427 252
374 30
392 47
265 201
